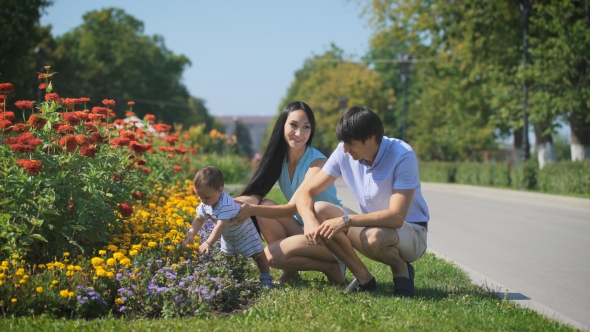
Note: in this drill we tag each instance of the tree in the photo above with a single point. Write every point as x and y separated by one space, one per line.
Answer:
326 78
108 56
242 134
20 34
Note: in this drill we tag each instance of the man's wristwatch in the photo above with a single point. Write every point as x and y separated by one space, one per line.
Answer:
346 220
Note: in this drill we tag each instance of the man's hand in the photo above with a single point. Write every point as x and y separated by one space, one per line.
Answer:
244 213
204 248
312 235
329 228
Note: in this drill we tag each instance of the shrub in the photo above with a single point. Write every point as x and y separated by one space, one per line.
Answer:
565 177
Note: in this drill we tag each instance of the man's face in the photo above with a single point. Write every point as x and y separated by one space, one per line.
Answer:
208 196
359 150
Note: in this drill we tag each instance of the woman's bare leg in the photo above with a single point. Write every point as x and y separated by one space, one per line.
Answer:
278 229
294 253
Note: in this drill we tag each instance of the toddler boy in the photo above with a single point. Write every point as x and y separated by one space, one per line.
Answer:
219 207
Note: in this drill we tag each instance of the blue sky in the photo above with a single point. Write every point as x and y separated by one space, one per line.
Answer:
244 53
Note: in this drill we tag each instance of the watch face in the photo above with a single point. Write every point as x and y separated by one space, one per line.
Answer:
346 218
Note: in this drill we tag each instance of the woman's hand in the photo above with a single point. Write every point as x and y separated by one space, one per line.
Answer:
244 213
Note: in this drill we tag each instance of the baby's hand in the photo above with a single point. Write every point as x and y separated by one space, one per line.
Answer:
204 248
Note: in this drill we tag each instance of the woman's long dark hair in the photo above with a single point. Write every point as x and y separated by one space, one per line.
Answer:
269 170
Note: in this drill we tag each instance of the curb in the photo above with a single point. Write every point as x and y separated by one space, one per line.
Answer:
513 295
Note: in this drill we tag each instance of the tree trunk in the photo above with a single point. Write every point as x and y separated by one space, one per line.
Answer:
580 138
517 146
545 148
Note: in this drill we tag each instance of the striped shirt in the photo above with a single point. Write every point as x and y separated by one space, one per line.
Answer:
395 167
235 239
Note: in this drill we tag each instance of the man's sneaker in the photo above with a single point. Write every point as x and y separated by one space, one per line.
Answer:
404 287
355 286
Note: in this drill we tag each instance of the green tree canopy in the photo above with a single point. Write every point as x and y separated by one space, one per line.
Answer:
109 56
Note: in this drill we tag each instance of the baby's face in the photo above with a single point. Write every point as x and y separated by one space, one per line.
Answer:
208 196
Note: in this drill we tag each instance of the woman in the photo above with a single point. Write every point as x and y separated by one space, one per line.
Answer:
290 160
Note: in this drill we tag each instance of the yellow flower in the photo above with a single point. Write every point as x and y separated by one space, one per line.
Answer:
119 301
20 272
22 281
126 261
64 293
112 247
136 247
111 261
78 268
39 289
66 254
152 244
102 252
69 273
71 294
96 261
13 300
2 276
118 256
110 275
132 253
41 266
15 256
101 272
54 282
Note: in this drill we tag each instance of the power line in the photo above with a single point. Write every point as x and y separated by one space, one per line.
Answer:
374 60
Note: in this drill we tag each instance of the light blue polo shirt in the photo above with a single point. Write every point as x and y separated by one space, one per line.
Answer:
288 186
395 167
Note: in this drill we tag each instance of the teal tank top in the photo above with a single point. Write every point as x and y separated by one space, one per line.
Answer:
289 187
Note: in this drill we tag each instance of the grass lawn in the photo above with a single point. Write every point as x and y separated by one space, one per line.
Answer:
445 301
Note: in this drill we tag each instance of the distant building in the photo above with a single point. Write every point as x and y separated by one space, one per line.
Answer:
257 126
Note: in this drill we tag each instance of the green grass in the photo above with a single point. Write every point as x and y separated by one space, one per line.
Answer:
445 301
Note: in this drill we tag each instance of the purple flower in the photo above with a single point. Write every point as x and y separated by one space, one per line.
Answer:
122 309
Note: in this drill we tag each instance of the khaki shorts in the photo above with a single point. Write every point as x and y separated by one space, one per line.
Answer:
412 239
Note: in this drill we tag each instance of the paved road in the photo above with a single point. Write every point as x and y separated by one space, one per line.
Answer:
536 244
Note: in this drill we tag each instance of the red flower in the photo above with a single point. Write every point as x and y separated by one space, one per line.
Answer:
140 162
171 140
83 116
129 135
7 115
98 138
90 127
177 168
130 103
5 126
117 177
138 195
6 88
84 99
22 148
10 140
71 118
121 141
52 96
45 75
150 118
69 143
88 151
20 127
37 122
65 130
129 114
138 148
83 140
42 86
108 102
69 103
25 104
28 138
145 170
30 166
126 209
100 110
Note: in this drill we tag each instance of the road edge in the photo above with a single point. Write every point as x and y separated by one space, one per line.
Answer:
479 279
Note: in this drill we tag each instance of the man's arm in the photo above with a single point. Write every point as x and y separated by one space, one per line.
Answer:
303 199
394 217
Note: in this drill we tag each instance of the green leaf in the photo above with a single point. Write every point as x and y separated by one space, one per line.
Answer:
50 212
38 237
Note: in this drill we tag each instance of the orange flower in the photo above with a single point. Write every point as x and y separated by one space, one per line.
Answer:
150 118
37 122
108 102
25 104
6 88
83 140
52 96
130 103
42 86
7 115
88 151
69 142
177 168
129 135
30 166
20 127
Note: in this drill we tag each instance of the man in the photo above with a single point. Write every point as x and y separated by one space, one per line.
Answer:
382 173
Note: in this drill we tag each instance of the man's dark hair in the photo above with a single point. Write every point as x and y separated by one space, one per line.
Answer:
359 123
210 177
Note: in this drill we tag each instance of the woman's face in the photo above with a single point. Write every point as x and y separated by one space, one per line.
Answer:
297 129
